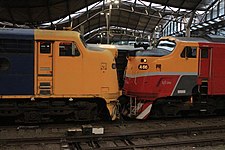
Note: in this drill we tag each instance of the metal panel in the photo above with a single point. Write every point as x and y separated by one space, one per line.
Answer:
18 77
12 33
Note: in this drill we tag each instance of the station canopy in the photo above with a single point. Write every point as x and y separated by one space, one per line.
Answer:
122 19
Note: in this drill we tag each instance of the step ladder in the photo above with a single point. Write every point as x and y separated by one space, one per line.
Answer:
133 106
204 87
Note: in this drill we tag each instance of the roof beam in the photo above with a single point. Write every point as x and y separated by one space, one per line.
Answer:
212 4
152 15
68 11
49 12
29 12
11 15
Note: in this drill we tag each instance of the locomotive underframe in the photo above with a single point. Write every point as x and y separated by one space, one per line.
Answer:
57 109
178 106
188 106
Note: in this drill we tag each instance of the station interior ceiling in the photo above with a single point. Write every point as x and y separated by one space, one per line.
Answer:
113 21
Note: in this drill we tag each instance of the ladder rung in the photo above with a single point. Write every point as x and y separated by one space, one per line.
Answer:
204 85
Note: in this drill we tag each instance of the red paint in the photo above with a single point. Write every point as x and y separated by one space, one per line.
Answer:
204 62
150 87
216 68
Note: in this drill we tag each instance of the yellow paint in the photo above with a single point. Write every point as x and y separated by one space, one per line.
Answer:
169 63
80 75
89 75
44 67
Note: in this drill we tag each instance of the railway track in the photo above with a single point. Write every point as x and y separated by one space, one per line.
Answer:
194 136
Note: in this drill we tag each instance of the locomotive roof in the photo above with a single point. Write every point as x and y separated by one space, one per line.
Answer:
216 38
192 39
119 47
188 39
128 47
28 34
208 38
16 33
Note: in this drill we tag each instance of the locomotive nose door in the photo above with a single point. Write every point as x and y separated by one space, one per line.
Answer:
44 68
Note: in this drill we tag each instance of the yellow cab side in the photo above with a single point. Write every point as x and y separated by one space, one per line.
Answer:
88 74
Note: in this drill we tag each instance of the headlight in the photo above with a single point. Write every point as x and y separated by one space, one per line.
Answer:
143 67
144 60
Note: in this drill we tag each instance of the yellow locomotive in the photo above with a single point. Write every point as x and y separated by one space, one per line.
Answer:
47 73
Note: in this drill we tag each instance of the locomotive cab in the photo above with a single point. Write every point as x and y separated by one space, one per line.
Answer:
77 72
54 73
159 75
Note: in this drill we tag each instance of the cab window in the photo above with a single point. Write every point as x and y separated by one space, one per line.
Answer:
45 47
189 52
68 49
204 52
166 45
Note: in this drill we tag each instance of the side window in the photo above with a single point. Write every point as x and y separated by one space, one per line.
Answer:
45 47
189 52
68 49
204 52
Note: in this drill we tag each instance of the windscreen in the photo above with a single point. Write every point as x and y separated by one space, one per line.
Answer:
163 48
166 44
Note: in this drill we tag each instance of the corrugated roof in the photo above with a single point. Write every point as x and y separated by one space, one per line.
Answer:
129 16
